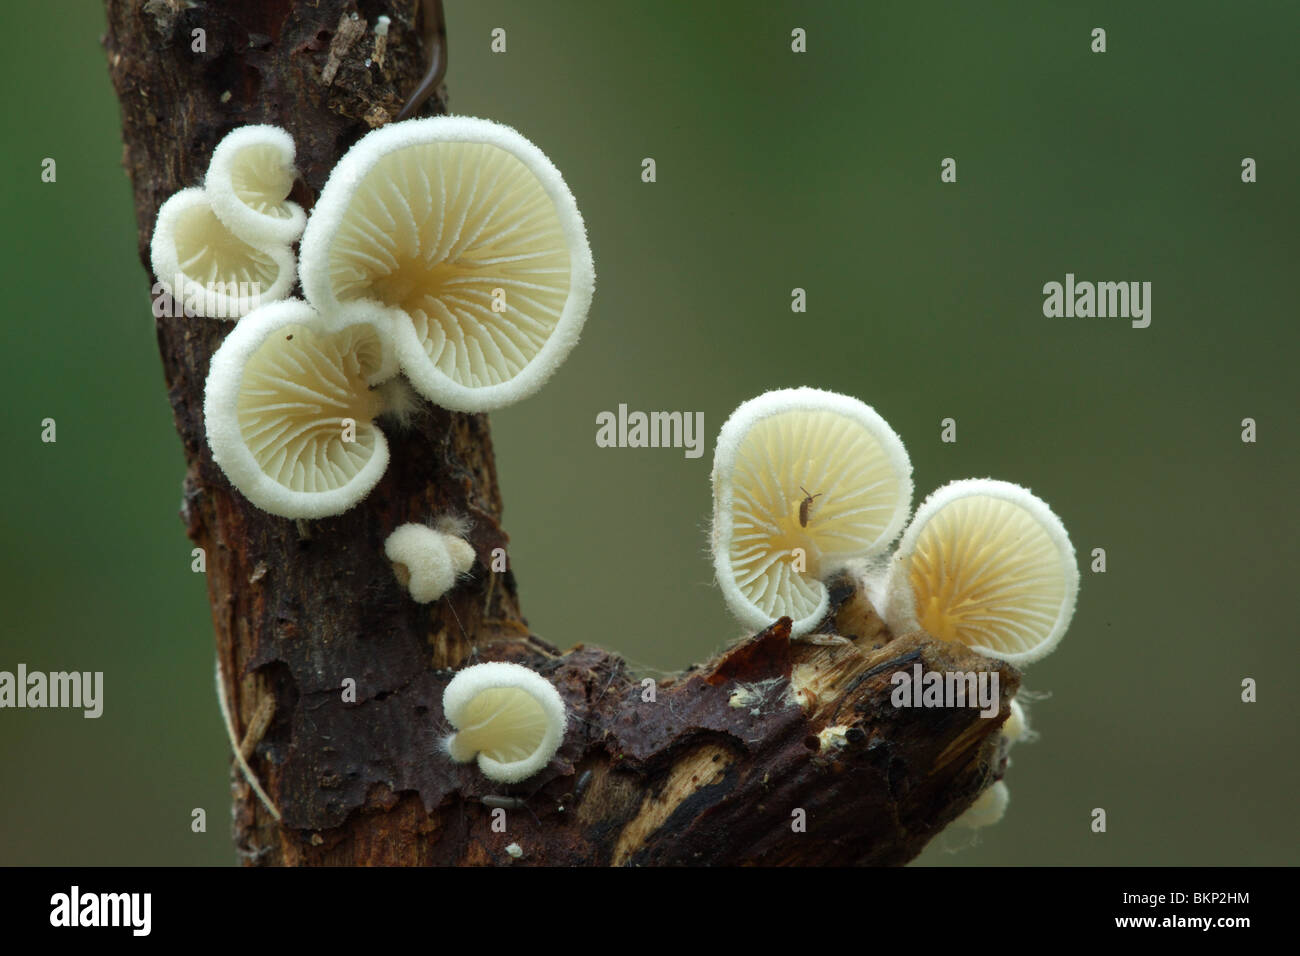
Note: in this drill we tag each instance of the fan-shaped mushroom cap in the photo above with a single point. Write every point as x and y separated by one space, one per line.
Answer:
773 453
427 562
194 252
278 394
248 183
431 216
986 564
510 717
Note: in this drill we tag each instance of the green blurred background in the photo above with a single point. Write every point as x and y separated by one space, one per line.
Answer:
775 171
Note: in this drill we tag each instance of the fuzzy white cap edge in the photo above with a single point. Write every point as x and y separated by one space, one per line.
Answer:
255 228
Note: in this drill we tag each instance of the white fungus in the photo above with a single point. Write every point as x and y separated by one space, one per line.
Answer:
1016 726
805 482
515 850
202 262
401 403
427 562
248 182
508 717
290 411
987 809
988 565
470 231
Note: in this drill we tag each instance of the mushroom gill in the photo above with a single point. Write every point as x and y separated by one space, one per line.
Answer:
299 389
433 229
986 564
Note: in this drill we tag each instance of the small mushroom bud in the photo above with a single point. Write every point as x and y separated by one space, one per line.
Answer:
508 717
427 562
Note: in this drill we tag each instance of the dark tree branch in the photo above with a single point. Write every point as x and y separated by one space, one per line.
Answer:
686 778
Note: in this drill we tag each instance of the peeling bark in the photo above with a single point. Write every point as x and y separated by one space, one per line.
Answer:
708 772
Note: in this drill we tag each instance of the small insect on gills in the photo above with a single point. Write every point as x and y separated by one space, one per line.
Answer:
805 506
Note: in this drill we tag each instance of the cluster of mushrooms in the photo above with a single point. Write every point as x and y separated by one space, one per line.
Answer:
446 257
808 484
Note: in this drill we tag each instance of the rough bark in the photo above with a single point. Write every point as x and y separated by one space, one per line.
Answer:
710 771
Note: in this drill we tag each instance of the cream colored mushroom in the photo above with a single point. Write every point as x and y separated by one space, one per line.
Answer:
208 267
470 231
804 483
508 717
290 410
986 564
428 561
248 182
